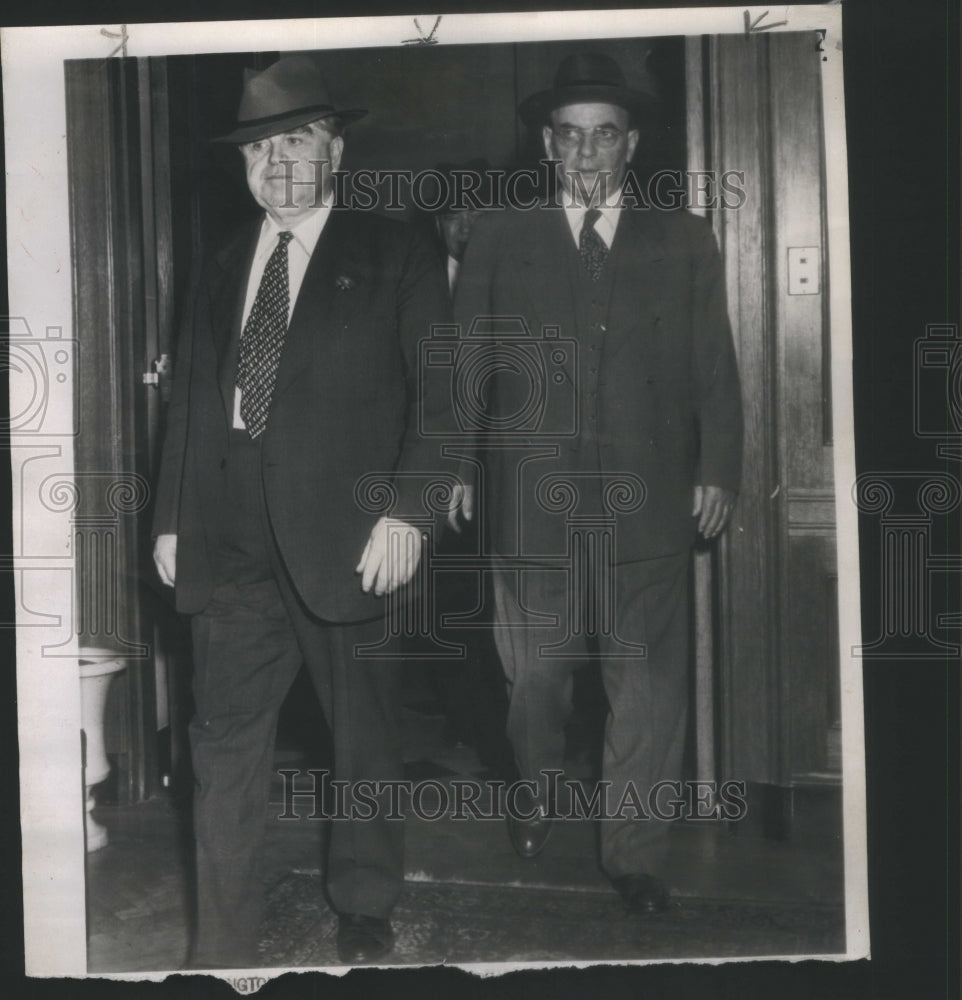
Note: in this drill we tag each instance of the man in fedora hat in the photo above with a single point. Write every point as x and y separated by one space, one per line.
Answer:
638 439
296 377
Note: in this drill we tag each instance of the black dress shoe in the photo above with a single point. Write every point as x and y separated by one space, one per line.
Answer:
642 893
528 836
362 939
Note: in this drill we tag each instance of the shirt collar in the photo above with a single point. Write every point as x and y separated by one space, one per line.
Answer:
605 226
306 231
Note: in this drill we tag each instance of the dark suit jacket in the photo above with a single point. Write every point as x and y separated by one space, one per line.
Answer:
669 403
344 406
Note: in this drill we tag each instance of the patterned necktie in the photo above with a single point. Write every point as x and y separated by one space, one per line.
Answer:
263 339
591 246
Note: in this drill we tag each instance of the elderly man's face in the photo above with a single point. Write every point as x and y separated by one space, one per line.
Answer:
594 144
289 174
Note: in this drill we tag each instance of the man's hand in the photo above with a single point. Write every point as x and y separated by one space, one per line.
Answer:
462 499
390 557
714 504
165 558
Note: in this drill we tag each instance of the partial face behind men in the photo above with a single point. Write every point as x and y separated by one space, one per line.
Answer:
456 228
289 174
594 144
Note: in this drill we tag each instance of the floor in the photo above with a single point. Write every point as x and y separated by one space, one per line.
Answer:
734 890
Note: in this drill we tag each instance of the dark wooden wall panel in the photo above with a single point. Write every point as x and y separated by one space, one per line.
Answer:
811 654
427 105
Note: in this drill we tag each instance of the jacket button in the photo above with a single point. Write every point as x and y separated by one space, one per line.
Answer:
223 463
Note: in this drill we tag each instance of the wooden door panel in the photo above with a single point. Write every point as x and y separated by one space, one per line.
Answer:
776 612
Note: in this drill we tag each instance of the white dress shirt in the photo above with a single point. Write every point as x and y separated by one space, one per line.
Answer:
605 225
454 265
306 233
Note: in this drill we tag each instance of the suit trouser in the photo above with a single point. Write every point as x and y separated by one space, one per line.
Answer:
647 695
249 643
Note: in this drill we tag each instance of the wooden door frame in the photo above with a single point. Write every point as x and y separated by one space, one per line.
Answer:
110 474
754 106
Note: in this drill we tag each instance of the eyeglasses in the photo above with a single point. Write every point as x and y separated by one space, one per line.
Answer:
569 136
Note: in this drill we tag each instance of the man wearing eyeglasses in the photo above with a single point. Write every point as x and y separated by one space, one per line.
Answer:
594 497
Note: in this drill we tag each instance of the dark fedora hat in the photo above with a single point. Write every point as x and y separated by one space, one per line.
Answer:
286 95
586 78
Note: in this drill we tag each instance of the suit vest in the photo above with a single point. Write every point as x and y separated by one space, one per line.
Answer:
590 300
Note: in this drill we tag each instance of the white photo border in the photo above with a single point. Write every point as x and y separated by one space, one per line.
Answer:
39 270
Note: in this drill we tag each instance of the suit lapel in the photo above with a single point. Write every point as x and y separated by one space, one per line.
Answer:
543 259
228 292
637 256
316 299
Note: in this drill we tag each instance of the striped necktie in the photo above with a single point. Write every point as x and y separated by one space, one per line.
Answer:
263 339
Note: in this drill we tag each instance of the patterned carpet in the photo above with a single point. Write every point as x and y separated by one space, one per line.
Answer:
455 923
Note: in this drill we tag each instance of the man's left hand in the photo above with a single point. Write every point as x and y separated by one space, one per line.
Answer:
713 506
462 501
390 557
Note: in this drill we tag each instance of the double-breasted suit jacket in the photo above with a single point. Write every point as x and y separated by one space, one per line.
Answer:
344 406
653 376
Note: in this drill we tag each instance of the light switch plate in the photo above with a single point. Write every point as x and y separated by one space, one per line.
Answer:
803 270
